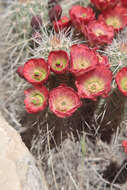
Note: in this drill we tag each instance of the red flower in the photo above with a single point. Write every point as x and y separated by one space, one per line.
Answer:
64 101
83 59
94 83
121 80
36 22
124 2
20 71
55 13
36 71
117 18
58 61
62 24
36 99
104 4
98 33
80 15
124 144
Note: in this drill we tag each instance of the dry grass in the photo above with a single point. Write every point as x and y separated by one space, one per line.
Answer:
68 167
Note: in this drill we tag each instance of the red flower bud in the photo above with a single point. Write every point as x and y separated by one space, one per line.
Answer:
20 71
124 144
55 13
36 22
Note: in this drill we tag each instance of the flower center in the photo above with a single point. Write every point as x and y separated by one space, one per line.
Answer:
63 20
37 99
81 63
124 83
99 32
84 14
114 21
94 85
63 103
39 74
59 64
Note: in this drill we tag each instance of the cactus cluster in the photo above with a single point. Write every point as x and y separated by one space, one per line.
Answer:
84 46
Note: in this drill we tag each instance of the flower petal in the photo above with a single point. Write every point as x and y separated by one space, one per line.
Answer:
83 59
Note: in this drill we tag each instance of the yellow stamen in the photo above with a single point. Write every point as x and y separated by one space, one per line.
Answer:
114 21
94 85
99 32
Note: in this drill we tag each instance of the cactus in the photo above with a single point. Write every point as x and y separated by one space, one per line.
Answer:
102 123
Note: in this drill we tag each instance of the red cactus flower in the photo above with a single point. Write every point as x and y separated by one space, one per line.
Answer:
83 59
62 24
117 18
124 2
55 13
20 71
36 22
94 83
36 71
124 144
36 99
121 80
98 33
80 15
104 4
64 101
58 61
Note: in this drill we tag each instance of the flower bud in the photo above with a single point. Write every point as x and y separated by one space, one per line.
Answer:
36 22
20 71
55 13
